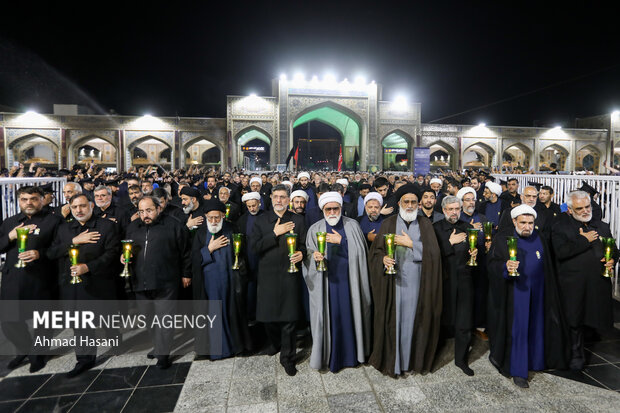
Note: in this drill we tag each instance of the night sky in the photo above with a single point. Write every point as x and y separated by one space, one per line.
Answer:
183 59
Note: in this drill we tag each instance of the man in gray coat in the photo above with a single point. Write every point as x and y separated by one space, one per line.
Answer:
340 298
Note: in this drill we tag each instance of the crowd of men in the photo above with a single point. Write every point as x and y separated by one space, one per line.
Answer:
182 225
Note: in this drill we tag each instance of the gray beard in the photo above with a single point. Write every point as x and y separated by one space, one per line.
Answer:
253 213
189 208
373 218
580 219
214 229
333 221
408 216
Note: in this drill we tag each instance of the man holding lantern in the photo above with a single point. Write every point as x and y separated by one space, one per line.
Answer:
340 299
27 273
407 305
279 239
527 326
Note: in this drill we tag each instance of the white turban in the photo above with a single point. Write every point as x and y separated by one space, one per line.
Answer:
256 179
249 196
461 193
343 181
300 193
374 195
328 197
287 183
493 187
302 174
522 210
436 181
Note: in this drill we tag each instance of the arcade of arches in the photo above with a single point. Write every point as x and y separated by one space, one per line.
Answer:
259 132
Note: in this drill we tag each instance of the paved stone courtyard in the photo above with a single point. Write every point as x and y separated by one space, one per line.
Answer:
259 384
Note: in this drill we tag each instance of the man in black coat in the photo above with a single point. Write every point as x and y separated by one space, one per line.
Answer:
586 294
458 287
224 195
526 324
99 245
279 303
167 207
161 258
544 197
37 280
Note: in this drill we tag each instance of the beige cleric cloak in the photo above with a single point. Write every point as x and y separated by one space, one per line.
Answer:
428 313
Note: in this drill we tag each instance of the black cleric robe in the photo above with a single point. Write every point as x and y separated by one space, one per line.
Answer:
428 313
501 305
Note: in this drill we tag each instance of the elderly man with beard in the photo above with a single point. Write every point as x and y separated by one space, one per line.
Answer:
458 288
105 207
340 300
407 306
214 279
279 304
99 245
428 206
544 217
224 195
70 189
527 326
370 222
160 263
37 280
586 294
192 207
246 226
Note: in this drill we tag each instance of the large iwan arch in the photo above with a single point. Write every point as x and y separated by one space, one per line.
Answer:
247 135
345 121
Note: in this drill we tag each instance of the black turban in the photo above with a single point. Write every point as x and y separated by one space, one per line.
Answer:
407 189
213 204
189 191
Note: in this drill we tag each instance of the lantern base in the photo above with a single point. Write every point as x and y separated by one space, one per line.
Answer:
75 279
513 273
20 264
292 268
320 266
608 273
126 273
391 270
472 262
236 264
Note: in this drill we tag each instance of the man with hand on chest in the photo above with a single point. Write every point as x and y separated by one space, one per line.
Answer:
98 243
279 303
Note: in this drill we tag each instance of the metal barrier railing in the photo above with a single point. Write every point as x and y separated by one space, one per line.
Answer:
608 197
9 187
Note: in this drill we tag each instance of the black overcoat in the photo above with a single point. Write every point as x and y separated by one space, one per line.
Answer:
38 280
102 259
586 293
279 292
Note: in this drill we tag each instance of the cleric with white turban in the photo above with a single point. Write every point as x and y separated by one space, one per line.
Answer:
371 221
340 298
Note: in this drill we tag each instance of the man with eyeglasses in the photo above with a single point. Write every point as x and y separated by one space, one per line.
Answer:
586 294
340 300
544 217
161 260
279 304
407 310
458 287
